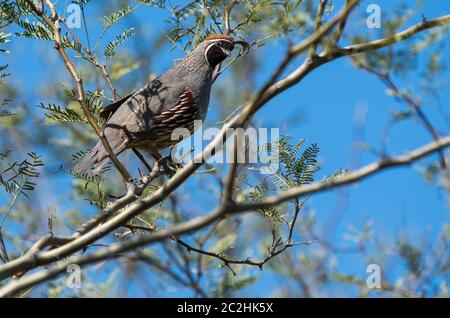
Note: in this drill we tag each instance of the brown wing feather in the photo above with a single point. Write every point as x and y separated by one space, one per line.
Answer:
182 115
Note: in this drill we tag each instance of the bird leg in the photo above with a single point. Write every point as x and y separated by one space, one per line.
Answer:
144 179
169 166
166 163
141 157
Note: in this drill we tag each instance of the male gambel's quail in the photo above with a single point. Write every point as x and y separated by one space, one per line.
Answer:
146 118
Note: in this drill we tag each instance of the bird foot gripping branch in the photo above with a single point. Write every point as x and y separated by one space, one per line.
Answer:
162 166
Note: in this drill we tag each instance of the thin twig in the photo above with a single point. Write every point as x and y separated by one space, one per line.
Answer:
317 24
40 258
386 79
89 237
55 26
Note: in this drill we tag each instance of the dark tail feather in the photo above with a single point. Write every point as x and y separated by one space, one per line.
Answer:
93 161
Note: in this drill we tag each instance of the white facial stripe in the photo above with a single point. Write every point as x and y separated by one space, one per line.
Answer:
206 55
217 40
212 43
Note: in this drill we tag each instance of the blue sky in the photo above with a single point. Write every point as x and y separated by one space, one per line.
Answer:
320 109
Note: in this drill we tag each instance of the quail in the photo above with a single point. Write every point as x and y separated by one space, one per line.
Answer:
144 120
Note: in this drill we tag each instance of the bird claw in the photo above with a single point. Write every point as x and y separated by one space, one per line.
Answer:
164 165
169 167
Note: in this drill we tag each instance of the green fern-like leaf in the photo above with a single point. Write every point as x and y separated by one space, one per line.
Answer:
335 175
5 113
93 99
61 114
34 30
4 39
304 168
295 170
68 43
113 18
18 177
14 11
153 3
257 193
3 75
112 46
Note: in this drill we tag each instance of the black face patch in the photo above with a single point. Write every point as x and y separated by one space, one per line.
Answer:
227 45
215 53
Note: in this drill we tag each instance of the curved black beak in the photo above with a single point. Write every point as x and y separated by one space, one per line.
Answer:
245 46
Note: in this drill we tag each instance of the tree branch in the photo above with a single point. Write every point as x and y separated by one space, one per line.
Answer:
317 24
386 79
353 177
55 26
400 36
18 285
268 91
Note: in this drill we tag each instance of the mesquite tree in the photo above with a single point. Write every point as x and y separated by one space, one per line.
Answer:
211 228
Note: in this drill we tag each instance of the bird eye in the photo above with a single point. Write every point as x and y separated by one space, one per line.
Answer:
225 45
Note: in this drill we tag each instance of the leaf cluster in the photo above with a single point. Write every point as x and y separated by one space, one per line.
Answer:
18 177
